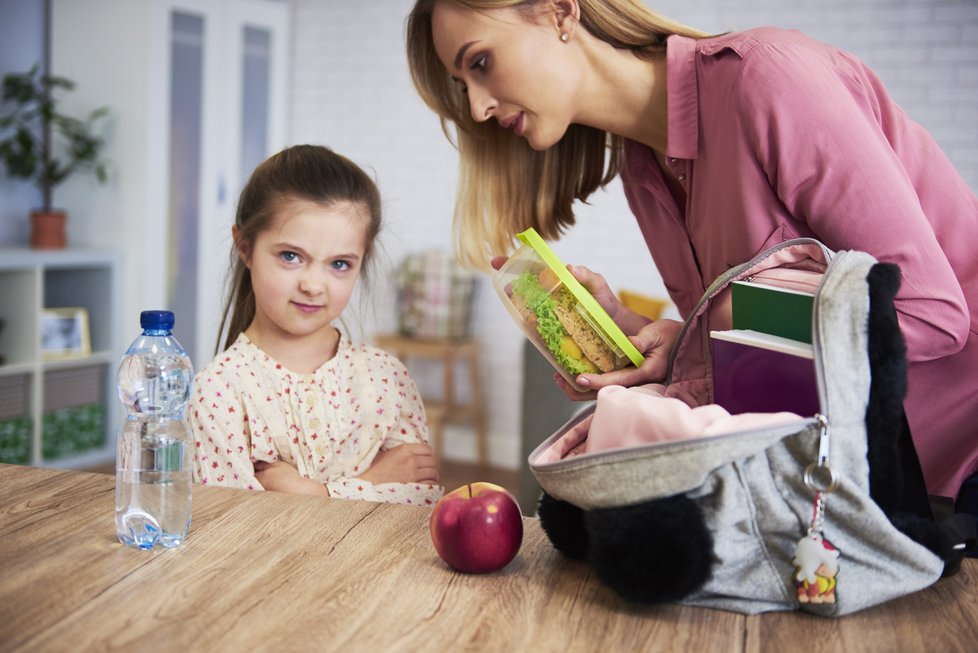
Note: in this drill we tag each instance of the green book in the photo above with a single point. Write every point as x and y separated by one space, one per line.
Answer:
773 310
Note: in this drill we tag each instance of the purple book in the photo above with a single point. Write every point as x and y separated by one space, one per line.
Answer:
756 372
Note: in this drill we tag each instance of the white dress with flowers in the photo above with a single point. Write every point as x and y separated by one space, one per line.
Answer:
329 424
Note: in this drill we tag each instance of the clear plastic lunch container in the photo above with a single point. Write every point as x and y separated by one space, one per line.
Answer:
559 316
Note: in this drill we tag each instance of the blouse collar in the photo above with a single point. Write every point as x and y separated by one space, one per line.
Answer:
244 344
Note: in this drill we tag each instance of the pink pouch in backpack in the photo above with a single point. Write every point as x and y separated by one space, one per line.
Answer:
637 416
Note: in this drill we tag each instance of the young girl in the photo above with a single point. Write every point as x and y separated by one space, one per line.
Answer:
291 404
725 145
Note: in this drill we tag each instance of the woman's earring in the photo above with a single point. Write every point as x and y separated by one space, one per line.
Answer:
565 37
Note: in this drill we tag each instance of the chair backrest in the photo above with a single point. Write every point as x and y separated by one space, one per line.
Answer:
434 296
650 307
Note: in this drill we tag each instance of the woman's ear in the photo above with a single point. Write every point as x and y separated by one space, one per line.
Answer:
566 14
241 244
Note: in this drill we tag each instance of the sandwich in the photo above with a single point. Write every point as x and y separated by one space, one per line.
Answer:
572 340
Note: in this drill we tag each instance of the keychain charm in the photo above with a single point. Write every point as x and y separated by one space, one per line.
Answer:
816 563
816 559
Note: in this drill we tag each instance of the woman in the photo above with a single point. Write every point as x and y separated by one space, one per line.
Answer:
725 145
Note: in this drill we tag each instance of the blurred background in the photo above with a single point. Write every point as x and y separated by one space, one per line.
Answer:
200 91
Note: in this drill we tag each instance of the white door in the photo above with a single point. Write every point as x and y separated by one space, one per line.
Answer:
221 97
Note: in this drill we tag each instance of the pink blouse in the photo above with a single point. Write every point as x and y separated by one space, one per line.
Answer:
329 424
774 136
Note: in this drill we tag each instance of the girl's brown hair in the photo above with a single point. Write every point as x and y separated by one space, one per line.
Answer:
504 185
310 173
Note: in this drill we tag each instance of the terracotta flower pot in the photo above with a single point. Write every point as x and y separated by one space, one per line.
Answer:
48 229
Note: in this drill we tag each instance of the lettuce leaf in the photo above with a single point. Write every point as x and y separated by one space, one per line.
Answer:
549 327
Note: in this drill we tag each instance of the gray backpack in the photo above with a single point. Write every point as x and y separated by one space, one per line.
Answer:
828 513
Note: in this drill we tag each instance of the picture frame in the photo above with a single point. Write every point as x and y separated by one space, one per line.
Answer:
64 333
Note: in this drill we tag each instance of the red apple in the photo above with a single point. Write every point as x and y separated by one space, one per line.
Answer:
477 528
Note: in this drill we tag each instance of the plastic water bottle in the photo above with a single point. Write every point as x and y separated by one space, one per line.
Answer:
153 465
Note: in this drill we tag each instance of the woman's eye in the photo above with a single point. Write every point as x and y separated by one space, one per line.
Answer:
289 257
479 63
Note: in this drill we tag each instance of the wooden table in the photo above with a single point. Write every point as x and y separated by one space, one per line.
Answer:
277 572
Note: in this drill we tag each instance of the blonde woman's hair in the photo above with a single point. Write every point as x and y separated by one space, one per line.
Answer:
504 185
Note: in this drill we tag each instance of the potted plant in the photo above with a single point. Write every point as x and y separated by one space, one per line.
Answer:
45 146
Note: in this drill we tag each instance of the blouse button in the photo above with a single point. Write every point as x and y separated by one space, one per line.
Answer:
321 449
314 423
311 399
672 159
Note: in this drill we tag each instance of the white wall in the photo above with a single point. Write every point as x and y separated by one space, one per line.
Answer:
352 91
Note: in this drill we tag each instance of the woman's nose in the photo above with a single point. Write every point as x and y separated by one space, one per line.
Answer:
481 103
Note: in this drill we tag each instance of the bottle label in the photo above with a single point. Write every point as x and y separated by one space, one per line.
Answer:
169 456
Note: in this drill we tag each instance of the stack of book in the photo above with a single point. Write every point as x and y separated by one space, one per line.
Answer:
765 363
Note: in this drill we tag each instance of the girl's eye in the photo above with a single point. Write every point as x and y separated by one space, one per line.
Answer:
341 265
289 257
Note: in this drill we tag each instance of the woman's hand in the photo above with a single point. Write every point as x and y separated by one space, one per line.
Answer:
405 463
628 320
655 341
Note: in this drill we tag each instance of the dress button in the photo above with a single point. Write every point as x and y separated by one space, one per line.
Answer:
672 159
314 423
681 177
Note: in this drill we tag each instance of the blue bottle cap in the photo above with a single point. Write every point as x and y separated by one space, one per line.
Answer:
156 320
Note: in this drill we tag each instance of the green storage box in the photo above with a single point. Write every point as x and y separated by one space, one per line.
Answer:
15 419
74 411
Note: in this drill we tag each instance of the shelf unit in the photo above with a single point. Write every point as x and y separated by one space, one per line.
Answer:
58 413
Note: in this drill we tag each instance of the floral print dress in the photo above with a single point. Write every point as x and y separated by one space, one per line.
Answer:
329 424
